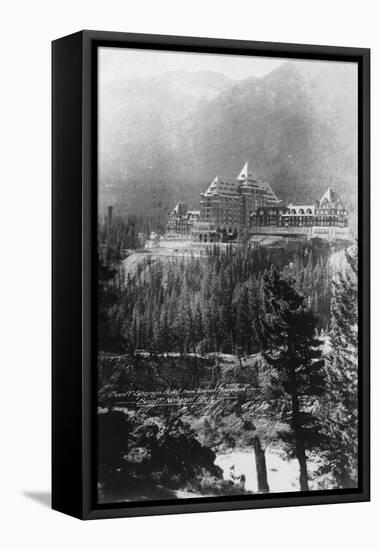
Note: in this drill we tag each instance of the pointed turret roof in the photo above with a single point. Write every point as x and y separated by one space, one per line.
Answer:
245 173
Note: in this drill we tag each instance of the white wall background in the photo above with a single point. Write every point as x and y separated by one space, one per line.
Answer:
27 29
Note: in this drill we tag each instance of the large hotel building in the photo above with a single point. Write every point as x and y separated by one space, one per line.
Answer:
249 207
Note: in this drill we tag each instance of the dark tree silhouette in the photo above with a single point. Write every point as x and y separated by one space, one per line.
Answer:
295 358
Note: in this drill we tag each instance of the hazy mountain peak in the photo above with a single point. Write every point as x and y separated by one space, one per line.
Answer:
174 133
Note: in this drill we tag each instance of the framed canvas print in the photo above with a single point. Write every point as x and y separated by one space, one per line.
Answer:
210 274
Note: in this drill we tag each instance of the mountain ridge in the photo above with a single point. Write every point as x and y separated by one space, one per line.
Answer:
296 125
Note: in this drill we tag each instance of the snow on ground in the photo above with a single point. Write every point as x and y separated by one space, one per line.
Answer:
283 475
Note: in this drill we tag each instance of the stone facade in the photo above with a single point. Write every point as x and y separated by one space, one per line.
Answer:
329 211
225 207
181 220
247 206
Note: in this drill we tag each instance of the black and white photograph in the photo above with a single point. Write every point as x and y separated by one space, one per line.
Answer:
186 287
188 246
227 280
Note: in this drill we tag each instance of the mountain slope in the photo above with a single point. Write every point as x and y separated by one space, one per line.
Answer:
164 139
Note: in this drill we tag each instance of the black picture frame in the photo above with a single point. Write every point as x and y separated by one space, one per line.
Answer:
74 205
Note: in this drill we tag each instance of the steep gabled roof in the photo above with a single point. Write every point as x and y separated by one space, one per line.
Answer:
330 196
212 188
246 180
270 195
221 188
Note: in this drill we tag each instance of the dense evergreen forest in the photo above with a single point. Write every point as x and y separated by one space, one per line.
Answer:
286 317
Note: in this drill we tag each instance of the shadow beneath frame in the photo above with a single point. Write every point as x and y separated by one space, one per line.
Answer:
42 497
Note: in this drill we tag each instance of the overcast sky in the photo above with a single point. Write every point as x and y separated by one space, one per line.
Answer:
117 63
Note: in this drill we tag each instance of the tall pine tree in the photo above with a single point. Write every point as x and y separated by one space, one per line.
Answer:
295 359
340 410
